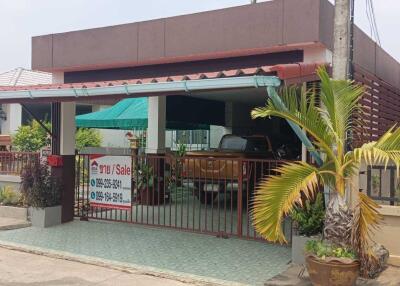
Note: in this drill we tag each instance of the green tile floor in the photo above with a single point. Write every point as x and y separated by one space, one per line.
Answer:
232 259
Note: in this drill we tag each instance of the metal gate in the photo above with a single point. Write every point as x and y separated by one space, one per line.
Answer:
206 195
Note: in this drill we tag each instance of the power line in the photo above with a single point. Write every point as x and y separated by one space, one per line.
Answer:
369 8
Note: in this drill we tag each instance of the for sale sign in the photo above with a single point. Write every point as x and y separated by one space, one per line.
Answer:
110 182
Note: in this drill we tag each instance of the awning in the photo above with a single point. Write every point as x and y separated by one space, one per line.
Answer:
129 114
253 77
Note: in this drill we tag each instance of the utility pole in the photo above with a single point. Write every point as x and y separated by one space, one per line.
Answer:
253 1
342 39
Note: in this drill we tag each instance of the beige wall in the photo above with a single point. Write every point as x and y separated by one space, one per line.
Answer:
389 232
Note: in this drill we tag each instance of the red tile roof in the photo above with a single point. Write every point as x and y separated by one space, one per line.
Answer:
283 71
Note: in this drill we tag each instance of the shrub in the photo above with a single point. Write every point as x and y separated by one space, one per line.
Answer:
310 217
30 138
10 197
38 187
323 249
87 138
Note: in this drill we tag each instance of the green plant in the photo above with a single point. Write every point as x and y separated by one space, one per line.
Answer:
309 218
30 138
324 249
327 115
175 170
87 138
179 193
376 180
144 176
10 197
38 187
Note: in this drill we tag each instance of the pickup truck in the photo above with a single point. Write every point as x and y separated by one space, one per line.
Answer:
221 169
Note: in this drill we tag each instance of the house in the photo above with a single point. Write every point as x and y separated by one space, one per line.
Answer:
13 115
204 68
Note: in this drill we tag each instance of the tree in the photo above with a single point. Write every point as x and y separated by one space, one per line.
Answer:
30 138
86 137
328 128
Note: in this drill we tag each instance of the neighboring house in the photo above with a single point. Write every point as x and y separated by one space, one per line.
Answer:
12 115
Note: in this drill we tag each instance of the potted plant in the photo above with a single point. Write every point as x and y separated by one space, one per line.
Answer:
11 204
42 193
146 186
327 115
331 265
308 224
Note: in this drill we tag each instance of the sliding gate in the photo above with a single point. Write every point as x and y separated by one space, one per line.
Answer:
204 195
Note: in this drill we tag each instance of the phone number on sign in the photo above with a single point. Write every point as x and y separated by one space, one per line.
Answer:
107 197
107 183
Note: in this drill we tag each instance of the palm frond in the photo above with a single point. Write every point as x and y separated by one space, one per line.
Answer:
383 151
276 196
340 103
303 111
366 219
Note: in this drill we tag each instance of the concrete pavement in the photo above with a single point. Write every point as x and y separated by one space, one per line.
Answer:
12 223
21 269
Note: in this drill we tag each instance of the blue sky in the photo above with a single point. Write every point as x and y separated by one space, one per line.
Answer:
22 19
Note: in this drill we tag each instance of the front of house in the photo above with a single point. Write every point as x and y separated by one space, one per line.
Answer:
208 68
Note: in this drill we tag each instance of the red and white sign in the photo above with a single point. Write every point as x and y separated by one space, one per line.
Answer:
110 182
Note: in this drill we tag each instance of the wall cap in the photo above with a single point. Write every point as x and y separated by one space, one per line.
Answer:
390 210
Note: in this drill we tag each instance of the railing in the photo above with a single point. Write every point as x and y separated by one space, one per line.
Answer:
198 194
12 163
383 185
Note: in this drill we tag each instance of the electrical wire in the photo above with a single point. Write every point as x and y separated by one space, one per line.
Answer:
369 8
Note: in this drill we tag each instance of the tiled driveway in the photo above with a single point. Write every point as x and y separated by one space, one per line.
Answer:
248 262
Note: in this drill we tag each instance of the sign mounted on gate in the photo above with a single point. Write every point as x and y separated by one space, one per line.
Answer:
110 182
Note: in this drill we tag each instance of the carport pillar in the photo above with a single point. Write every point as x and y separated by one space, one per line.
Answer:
63 144
156 125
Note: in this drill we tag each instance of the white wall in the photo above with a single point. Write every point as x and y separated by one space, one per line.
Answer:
14 118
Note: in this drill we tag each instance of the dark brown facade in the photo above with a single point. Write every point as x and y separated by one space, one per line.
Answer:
280 25
246 30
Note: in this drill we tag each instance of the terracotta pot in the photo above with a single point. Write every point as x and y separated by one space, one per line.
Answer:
150 197
332 273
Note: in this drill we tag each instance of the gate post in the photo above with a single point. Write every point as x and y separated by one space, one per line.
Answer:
240 198
63 143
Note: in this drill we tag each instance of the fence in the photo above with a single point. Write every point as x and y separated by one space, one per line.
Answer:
12 163
198 194
383 185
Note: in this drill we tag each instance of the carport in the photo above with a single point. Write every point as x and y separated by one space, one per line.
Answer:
157 203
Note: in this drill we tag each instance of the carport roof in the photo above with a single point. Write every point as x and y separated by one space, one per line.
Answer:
246 77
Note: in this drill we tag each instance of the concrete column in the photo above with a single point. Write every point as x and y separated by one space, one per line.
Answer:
68 127
228 118
66 140
14 117
341 39
156 125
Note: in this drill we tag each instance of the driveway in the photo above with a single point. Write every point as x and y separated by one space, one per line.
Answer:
20 269
175 252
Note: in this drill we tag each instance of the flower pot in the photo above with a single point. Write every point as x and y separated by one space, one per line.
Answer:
150 197
45 217
332 273
20 213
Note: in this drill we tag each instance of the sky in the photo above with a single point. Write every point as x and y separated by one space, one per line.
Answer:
22 19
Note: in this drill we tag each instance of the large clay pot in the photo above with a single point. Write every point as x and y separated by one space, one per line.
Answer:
332 273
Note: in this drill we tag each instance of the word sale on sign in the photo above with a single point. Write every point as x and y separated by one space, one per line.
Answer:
110 182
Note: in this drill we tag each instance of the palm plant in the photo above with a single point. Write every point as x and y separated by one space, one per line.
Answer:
328 118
